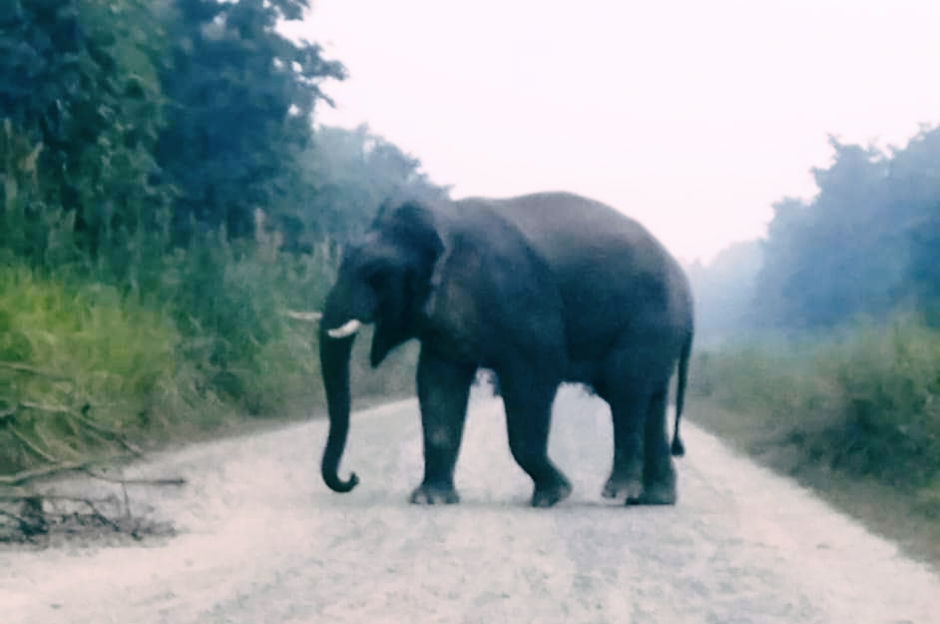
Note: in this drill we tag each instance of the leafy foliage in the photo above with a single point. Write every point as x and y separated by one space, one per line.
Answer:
242 103
162 180
865 245
349 174
78 87
71 354
863 400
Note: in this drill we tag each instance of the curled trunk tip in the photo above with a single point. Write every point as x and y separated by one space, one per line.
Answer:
332 480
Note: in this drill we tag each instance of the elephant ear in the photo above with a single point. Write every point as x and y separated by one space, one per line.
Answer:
451 306
411 232
412 226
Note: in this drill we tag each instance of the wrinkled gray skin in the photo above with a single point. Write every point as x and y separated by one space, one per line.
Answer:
541 289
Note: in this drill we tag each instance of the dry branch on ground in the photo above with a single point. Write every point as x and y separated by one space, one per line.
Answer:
28 514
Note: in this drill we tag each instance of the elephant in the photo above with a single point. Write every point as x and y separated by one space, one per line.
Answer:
541 289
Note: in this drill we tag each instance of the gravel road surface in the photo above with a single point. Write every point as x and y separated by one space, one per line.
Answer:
261 539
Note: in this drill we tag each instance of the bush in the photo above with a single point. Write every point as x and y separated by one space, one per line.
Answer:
213 342
230 300
866 400
889 382
73 352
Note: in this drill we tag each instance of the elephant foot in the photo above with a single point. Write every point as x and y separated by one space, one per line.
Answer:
435 495
546 496
656 494
622 488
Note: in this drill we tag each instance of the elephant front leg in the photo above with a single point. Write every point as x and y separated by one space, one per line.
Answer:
443 392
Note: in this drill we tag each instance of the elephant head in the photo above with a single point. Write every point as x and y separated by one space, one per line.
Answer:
384 281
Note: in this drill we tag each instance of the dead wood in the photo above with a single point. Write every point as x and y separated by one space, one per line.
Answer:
31 370
39 473
109 433
136 481
33 447
308 317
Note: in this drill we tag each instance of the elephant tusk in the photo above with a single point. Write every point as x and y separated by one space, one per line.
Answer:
309 317
346 330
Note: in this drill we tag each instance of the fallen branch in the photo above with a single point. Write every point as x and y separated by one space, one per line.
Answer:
39 515
25 368
102 429
114 435
49 496
51 409
123 481
111 523
36 519
31 446
28 475
31 521
308 317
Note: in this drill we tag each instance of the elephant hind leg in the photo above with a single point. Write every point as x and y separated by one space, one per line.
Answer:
659 475
628 406
528 402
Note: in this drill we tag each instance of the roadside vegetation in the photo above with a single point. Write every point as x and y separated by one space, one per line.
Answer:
820 344
167 208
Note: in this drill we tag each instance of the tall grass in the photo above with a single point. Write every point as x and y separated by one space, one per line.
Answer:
210 346
71 353
229 302
108 321
147 339
865 401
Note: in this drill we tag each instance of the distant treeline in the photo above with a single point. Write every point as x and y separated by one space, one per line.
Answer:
867 245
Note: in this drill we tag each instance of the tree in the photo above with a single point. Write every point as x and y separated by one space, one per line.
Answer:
725 289
76 82
241 104
866 244
915 193
346 175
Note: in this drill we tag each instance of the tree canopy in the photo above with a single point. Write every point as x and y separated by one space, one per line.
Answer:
868 244
241 103
130 125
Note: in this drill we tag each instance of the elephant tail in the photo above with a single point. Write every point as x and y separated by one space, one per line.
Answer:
678 449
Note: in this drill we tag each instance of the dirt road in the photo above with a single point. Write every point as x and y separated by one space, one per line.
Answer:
262 540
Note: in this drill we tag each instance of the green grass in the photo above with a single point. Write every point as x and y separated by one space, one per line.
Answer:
165 368
79 353
855 414
231 306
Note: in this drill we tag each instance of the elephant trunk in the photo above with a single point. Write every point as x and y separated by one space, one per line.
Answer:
334 365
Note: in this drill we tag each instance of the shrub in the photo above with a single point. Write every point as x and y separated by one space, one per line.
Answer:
70 352
865 400
889 382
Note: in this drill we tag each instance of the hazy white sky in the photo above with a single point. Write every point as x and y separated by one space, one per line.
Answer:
691 116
